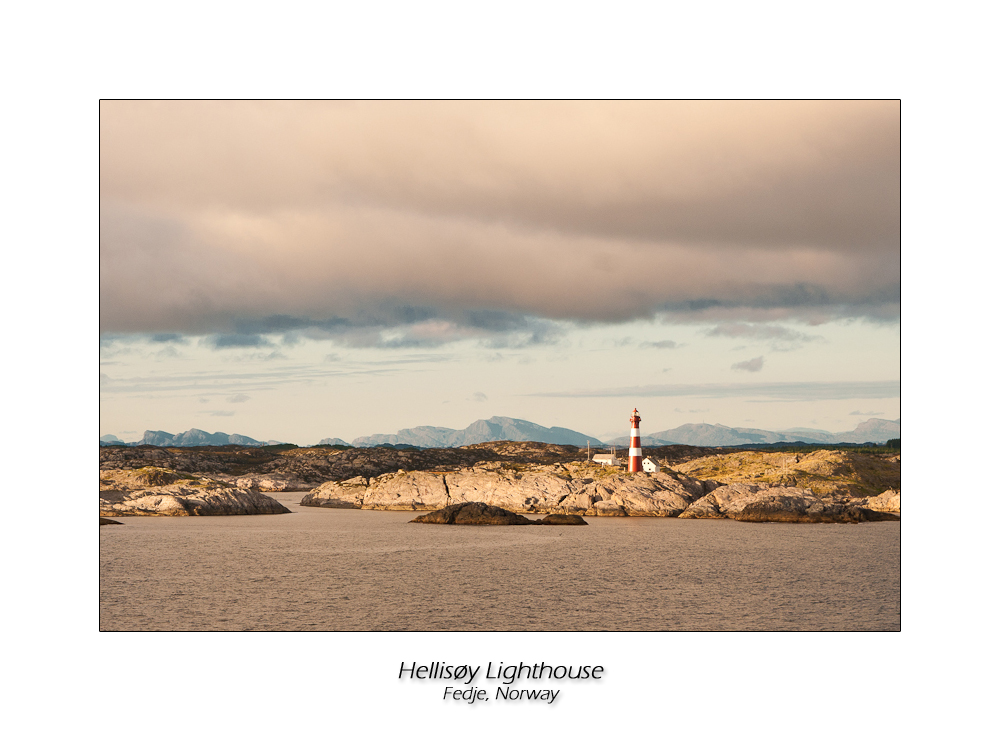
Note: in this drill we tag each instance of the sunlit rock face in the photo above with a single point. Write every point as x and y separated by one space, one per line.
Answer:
886 502
164 492
574 488
580 488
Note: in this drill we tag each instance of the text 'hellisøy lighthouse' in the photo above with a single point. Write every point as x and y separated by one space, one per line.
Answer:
634 450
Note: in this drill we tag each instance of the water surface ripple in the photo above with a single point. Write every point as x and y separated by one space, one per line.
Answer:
327 569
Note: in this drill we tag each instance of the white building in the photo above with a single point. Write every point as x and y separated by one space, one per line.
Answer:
650 465
607 459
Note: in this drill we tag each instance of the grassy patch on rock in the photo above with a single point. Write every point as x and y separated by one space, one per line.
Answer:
823 471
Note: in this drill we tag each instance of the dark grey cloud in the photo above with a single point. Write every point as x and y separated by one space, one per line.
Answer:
343 220
478 396
392 327
494 320
754 365
669 344
781 338
238 398
530 332
238 340
166 337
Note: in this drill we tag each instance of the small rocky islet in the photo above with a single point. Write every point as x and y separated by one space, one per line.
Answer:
821 485
483 514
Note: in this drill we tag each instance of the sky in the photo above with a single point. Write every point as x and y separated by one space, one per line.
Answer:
306 270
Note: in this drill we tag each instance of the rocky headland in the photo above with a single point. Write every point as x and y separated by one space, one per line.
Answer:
824 471
159 491
568 488
580 488
820 485
782 504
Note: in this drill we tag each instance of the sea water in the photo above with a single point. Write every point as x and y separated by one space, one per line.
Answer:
331 569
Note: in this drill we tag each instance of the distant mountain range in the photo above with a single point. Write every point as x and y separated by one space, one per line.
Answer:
719 435
190 438
496 428
499 428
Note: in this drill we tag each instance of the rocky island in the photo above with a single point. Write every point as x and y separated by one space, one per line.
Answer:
762 485
158 491
483 514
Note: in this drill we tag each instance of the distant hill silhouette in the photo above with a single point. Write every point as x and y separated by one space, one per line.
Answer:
503 428
719 435
496 428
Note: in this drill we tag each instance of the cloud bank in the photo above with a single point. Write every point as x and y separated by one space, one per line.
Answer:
492 220
788 391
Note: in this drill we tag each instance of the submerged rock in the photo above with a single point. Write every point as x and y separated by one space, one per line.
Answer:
473 514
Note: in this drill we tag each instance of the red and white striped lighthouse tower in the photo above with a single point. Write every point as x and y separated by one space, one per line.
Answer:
634 450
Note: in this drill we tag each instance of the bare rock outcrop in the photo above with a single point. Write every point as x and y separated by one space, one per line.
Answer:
160 491
560 519
571 488
723 500
533 477
274 482
582 488
761 503
406 491
886 502
347 494
777 508
473 514
313 466
824 471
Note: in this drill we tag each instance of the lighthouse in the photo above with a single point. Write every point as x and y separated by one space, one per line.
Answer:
634 450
